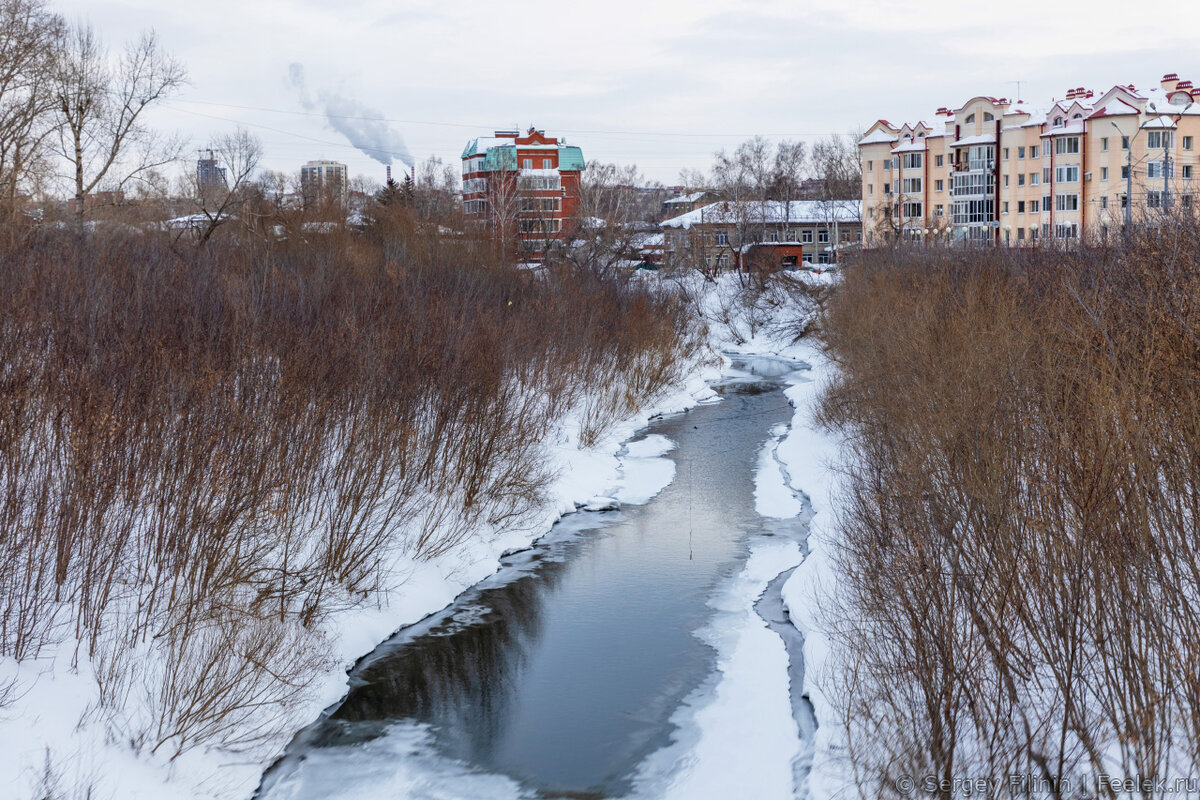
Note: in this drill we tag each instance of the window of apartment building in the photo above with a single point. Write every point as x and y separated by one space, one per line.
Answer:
547 163
1046 202
939 185
1033 151
1124 142
1104 173
1033 234
1004 207
1005 181
1066 202
774 237
1020 234
1124 201
1067 174
909 210
1066 145
938 160
1046 230
1186 200
1124 172
822 257
970 118
527 163
1104 143
1020 206
791 236
887 163
1066 230
1035 206
1033 179
1186 171
721 238
871 188
1158 140
887 188
823 236
870 166
1104 201
1045 174
1154 199
1187 143
911 185
913 160
806 237
1154 169
1006 154
895 162
1021 179
1058 122
1020 152
939 210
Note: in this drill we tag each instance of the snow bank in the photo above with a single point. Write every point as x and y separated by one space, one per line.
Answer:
739 737
42 726
810 457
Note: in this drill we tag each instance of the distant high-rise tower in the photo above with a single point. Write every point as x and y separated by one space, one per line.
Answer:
209 173
323 181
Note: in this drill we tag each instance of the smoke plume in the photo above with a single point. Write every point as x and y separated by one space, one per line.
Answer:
362 126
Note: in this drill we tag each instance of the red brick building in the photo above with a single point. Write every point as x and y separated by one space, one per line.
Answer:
525 187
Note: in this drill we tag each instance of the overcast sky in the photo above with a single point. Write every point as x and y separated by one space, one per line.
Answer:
658 84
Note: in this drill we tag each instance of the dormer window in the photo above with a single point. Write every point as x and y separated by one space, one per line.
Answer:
1058 122
970 118
1077 116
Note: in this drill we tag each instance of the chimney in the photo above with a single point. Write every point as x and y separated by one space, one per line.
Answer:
1170 81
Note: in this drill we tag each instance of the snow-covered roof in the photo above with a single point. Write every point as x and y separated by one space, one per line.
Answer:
687 198
1159 122
1116 107
986 138
539 173
1074 129
910 146
798 212
878 137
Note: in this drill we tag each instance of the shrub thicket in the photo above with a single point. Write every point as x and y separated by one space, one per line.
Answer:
1018 541
204 453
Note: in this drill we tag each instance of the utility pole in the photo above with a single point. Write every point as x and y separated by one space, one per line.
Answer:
1167 136
1129 185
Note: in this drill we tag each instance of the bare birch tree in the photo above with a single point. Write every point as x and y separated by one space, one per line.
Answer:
100 104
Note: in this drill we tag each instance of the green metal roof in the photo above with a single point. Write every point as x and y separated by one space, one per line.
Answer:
570 158
500 158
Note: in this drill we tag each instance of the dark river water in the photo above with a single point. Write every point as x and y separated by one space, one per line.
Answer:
559 675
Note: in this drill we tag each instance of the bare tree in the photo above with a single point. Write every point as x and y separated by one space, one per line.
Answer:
100 105
791 158
27 36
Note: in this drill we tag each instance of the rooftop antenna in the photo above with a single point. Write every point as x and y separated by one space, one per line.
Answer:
1018 83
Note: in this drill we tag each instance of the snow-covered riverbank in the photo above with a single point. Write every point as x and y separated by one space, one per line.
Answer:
48 737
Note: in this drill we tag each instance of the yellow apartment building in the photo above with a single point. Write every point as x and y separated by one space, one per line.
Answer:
1007 172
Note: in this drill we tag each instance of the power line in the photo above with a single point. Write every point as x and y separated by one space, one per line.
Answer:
475 126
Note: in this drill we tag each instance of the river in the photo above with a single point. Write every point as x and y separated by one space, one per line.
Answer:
563 673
